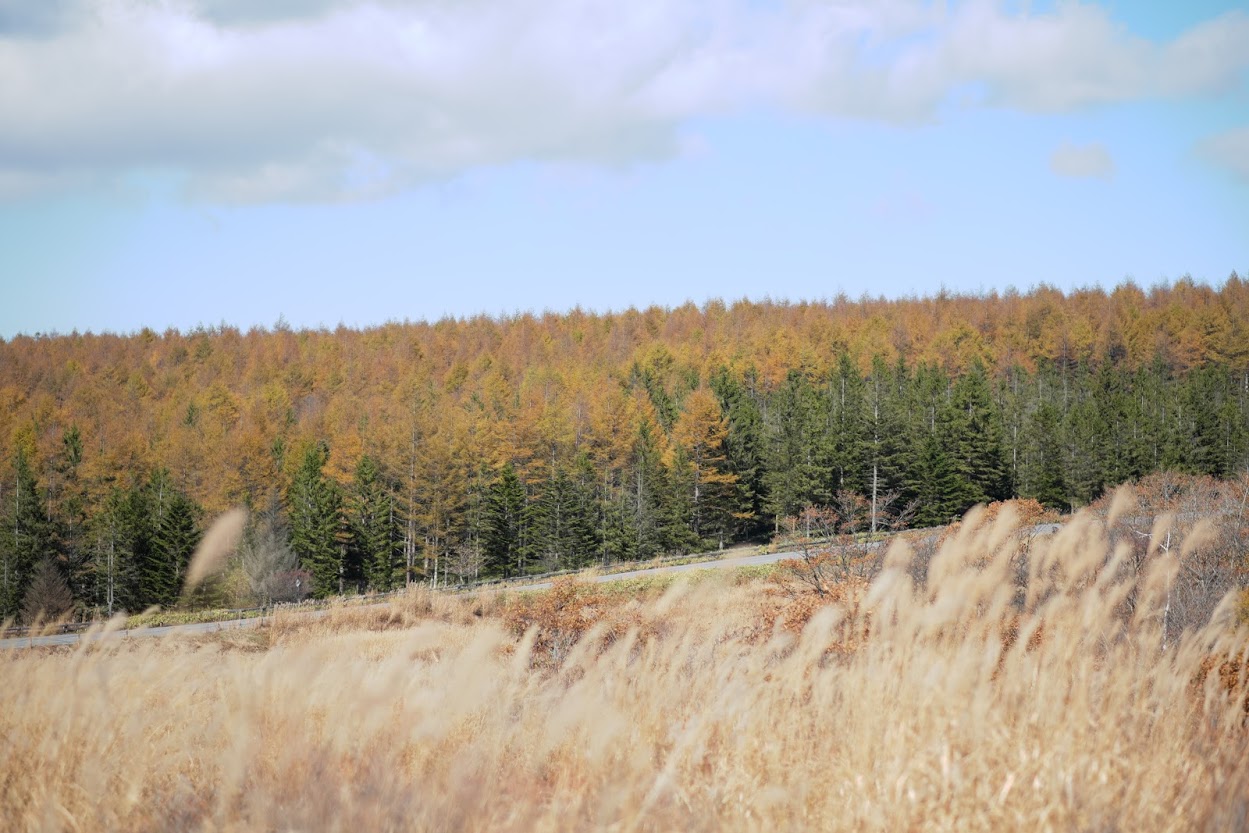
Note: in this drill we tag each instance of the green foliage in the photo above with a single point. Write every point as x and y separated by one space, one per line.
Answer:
797 473
562 520
504 537
314 506
26 538
175 531
743 447
375 536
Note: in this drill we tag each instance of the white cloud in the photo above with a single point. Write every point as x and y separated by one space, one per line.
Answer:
330 99
1086 161
1228 150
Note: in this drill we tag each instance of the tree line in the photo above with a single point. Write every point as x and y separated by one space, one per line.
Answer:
673 460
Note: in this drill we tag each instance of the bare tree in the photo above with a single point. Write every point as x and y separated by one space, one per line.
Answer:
466 561
269 561
48 597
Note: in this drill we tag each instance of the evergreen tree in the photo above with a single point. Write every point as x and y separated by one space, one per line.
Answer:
743 447
503 542
676 499
1083 442
175 534
847 427
314 506
69 516
618 528
646 498
120 537
562 522
375 536
1120 454
26 538
975 440
887 451
796 474
938 487
1047 478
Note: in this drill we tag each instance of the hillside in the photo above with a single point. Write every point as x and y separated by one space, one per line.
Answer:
502 446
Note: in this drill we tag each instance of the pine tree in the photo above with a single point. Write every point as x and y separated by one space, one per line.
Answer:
743 448
267 558
619 534
375 536
175 534
888 454
314 506
975 437
796 476
649 488
938 487
120 536
846 397
701 471
562 522
503 541
26 538
1047 477
69 515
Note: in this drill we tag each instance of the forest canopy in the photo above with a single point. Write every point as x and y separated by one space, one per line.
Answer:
500 446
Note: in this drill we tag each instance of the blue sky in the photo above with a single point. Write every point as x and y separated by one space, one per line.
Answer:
335 161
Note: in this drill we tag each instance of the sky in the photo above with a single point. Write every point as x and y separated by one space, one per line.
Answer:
177 163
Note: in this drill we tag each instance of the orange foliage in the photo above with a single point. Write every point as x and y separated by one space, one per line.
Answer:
218 405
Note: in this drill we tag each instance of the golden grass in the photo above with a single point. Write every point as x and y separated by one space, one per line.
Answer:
936 708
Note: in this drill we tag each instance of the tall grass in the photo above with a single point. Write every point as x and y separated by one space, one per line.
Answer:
976 700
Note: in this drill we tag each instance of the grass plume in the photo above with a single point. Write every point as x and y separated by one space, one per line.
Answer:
987 696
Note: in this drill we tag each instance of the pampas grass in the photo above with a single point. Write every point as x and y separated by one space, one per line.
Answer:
965 702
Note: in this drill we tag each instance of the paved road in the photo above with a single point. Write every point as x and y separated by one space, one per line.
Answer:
211 627
75 638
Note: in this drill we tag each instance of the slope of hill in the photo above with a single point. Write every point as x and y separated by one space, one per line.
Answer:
504 446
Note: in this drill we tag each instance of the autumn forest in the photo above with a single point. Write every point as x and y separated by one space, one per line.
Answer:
463 449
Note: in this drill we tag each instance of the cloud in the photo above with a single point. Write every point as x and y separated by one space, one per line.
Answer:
1086 161
346 99
1228 150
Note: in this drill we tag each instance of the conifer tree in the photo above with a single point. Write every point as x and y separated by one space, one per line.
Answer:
120 537
314 506
796 476
1047 477
938 487
975 440
847 427
702 470
743 447
70 516
375 535
647 492
26 538
562 522
503 541
174 536
887 447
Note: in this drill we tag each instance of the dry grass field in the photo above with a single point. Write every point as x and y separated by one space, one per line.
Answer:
1036 690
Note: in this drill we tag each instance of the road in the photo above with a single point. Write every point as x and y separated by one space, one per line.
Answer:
213 627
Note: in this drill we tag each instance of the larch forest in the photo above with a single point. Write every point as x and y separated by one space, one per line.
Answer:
500 447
